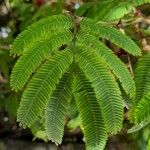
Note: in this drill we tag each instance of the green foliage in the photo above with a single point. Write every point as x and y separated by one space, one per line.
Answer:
50 51
113 62
142 77
111 34
103 82
34 57
11 105
140 2
39 30
56 109
140 111
91 117
74 123
41 87
109 10
148 146
38 128
138 127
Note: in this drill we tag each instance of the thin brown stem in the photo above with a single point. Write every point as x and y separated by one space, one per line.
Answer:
130 66
5 47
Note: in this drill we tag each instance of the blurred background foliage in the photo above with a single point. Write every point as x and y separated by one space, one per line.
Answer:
129 16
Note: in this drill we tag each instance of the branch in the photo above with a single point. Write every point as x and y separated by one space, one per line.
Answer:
130 66
5 47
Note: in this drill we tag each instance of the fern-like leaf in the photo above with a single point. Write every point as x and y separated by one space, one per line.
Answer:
41 86
118 10
56 109
39 30
142 110
106 89
112 35
33 57
142 77
114 63
91 117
